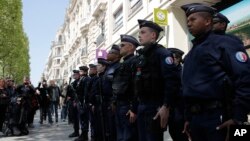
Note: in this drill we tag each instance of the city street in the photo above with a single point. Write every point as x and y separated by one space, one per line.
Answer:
47 132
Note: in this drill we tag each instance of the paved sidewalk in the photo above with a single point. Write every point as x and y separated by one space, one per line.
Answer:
47 132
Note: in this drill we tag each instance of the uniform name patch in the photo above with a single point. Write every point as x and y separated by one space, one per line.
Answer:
241 56
169 60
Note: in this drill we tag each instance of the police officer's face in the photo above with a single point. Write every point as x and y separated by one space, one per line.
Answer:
219 26
126 48
177 59
198 24
113 55
92 71
82 72
146 36
76 76
100 68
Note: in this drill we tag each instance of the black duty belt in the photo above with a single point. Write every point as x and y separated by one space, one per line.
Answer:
197 108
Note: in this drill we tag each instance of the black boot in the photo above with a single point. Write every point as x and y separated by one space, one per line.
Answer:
82 137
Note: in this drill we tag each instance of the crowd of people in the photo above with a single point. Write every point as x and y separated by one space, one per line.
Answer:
134 94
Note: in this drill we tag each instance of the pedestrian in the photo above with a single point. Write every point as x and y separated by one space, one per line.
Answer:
125 101
64 112
27 90
4 101
156 76
44 102
54 94
215 79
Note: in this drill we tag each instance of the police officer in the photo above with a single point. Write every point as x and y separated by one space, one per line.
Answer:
113 57
176 118
101 101
71 97
82 92
156 74
220 23
123 91
213 61
93 78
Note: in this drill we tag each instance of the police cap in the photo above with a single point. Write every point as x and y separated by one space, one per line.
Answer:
92 66
115 47
221 18
194 8
176 51
185 7
150 24
75 71
102 61
130 39
84 68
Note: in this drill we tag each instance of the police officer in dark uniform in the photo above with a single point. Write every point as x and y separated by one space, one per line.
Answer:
123 91
82 92
156 74
213 61
71 97
220 23
113 57
93 78
102 94
176 118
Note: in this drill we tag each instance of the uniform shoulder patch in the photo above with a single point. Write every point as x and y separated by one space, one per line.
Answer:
169 60
241 56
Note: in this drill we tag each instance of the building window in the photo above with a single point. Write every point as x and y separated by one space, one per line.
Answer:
83 52
57 61
118 18
57 72
58 51
78 60
134 5
102 26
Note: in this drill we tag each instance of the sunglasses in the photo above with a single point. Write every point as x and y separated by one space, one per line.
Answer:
113 52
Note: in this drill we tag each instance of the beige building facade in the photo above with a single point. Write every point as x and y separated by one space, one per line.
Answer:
92 26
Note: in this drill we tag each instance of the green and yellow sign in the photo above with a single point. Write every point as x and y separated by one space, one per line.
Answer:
160 16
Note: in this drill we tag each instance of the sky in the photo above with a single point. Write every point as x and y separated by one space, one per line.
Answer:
41 20
237 12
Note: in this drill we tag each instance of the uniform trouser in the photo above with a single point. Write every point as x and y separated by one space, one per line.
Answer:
104 125
149 129
203 126
3 109
75 119
84 119
91 120
176 125
125 130
109 120
70 111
